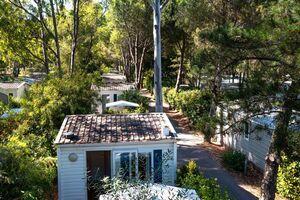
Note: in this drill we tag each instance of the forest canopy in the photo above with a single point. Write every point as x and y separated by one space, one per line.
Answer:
71 43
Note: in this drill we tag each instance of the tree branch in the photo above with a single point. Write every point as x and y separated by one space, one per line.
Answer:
20 6
164 4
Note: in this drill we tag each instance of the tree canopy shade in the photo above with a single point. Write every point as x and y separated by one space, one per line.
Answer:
202 43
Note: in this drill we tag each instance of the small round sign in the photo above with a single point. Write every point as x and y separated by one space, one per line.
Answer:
73 157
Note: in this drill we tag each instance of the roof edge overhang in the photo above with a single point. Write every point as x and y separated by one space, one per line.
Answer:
167 120
130 143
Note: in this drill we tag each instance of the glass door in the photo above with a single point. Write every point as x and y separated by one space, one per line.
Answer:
125 164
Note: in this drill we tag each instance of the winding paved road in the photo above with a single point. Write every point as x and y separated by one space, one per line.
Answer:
189 148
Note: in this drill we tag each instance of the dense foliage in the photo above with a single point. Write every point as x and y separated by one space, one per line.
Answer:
48 103
288 182
195 104
27 154
135 97
204 42
234 160
189 176
27 170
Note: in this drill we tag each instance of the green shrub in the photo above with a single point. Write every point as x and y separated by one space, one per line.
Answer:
192 103
170 97
195 104
234 160
26 169
288 180
190 177
148 80
206 125
47 104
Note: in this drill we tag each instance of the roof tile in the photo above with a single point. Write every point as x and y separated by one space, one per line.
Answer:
114 128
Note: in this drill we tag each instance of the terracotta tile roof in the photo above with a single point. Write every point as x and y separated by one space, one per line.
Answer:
12 85
114 128
115 87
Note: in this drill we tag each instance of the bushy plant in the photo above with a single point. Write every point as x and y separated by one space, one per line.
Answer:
170 96
27 171
288 180
117 188
27 168
9 123
48 103
234 160
148 80
190 177
3 108
135 97
194 104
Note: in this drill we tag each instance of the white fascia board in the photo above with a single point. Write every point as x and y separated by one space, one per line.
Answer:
125 144
60 131
170 124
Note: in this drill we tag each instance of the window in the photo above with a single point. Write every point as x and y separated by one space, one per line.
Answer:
10 94
115 97
157 166
145 166
246 130
125 165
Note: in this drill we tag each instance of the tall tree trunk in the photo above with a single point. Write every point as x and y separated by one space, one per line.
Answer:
74 34
157 56
216 89
279 137
56 39
133 51
44 42
126 64
180 71
140 79
136 57
221 126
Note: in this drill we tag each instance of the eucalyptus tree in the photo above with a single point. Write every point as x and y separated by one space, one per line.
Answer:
37 11
56 37
30 14
157 6
75 13
131 22
93 41
43 37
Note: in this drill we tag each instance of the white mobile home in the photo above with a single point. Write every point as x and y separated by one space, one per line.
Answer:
113 77
132 146
15 89
109 93
253 138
